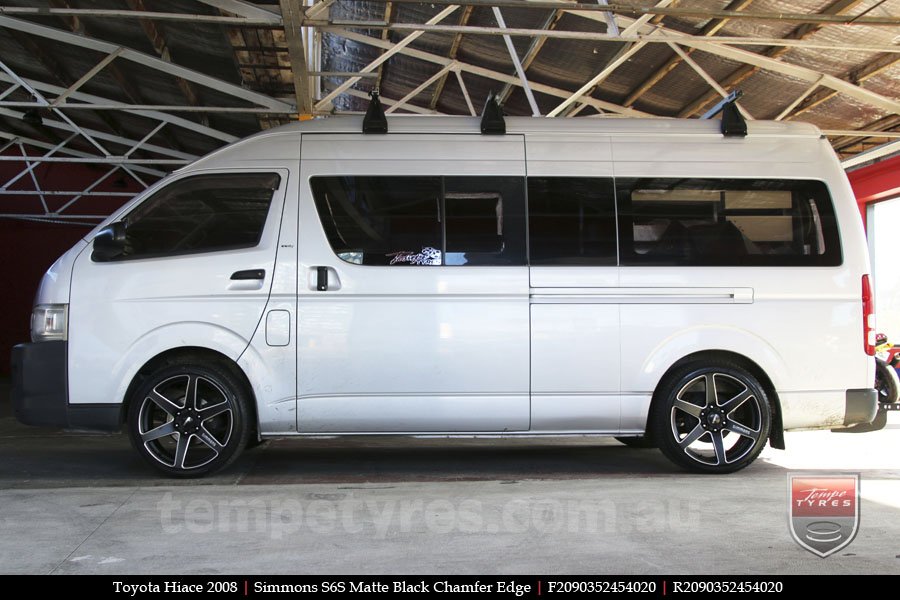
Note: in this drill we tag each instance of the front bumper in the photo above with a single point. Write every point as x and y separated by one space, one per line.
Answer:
40 391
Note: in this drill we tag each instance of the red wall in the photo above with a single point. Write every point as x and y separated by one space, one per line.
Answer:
28 248
876 182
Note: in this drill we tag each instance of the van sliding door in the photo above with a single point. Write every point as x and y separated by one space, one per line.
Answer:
575 358
413 297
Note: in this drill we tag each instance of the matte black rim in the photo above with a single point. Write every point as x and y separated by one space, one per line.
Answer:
186 421
716 419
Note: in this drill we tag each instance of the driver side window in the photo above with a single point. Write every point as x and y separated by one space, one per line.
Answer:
205 213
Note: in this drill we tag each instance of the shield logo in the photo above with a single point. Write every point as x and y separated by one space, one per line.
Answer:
824 511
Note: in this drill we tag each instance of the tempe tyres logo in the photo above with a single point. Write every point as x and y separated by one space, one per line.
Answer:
824 511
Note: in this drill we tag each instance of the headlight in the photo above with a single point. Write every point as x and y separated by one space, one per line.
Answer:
49 322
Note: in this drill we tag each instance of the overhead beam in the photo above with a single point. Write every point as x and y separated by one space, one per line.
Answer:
68 151
883 125
873 154
454 50
744 72
292 14
489 73
60 99
100 135
124 82
124 107
531 54
708 30
419 89
157 38
603 74
145 60
385 33
631 29
619 9
624 36
57 71
392 49
697 13
318 8
513 55
707 77
245 10
769 64
856 76
100 13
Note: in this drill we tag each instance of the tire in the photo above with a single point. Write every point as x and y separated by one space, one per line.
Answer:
640 441
189 438
886 383
718 432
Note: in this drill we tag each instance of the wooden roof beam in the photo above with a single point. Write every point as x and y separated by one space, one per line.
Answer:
744 72
708 30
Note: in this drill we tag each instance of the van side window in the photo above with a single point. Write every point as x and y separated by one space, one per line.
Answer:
726 222
205 213
423 221
572 221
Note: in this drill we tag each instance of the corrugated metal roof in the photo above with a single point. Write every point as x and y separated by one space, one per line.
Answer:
256 57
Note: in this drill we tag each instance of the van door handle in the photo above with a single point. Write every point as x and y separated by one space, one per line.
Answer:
321 279
248 274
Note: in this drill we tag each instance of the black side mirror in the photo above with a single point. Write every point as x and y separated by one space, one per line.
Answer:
109 243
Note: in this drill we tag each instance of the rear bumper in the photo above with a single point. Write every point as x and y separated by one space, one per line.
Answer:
858 410
40 391
861 406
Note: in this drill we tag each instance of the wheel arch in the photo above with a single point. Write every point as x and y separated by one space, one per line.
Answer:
776 433
187 354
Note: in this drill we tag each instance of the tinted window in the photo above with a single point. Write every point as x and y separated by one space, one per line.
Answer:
201 214
726 222
423 221
485 220
572 221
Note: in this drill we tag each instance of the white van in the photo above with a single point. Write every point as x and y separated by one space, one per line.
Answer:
652 280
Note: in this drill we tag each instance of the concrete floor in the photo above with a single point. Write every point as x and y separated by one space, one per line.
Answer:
79 503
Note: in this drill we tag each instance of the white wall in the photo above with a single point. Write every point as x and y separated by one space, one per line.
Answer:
884 241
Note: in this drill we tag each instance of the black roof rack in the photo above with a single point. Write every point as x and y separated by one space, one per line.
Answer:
733 123
374 121
492 122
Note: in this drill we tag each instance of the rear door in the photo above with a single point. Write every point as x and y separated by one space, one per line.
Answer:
413 295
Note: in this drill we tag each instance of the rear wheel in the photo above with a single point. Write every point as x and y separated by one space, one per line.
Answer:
886 382
189 420
713 418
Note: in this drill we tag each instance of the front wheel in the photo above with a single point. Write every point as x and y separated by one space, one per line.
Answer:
189 420
712 419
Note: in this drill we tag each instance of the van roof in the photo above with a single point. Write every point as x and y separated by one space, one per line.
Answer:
539 125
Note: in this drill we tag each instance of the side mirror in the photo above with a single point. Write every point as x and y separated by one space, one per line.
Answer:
109 243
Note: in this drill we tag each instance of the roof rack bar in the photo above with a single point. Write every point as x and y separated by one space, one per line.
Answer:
492 122
374 121
733 123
